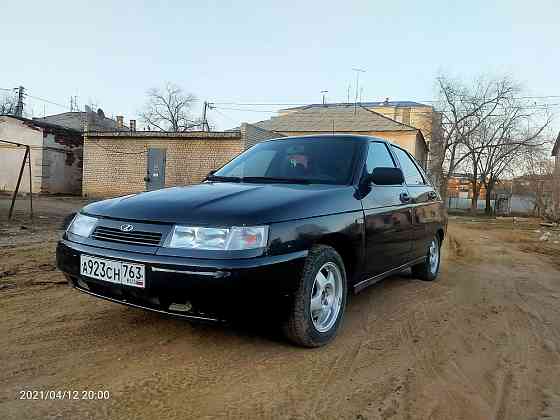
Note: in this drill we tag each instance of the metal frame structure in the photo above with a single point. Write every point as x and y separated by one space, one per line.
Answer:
26 159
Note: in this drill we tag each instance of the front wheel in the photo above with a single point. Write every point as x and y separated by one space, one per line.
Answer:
429 269
320 299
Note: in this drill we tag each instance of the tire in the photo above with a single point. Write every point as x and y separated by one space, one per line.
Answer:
309 327
429 269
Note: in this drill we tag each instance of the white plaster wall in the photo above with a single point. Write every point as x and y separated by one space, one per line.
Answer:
12 129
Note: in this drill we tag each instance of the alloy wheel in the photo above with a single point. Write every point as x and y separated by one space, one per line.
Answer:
326 297
433 255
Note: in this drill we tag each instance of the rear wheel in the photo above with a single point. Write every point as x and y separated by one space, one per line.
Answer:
319 301
429 269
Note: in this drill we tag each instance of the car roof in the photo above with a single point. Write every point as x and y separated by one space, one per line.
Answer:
349 137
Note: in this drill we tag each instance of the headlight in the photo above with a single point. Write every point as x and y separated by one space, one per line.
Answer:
225 239
82 225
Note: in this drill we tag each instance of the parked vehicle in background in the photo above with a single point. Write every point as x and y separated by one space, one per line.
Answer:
286 229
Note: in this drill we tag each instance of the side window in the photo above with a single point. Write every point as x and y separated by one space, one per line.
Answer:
412 175
378 157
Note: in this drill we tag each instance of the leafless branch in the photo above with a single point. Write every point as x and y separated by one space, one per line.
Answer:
169 109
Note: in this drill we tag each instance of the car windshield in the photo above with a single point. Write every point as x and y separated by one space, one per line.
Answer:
321 160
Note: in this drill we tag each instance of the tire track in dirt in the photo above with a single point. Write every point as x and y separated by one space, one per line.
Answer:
471 346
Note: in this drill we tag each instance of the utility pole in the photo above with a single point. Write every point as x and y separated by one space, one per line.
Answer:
73 103
207 106
19 105
323 93
358 71
204 121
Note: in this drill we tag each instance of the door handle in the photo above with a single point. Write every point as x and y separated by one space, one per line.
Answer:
405 198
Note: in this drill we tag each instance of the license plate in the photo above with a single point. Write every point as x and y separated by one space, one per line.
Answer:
112 271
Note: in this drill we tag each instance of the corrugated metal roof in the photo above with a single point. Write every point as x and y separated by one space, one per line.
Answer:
346 118
43 124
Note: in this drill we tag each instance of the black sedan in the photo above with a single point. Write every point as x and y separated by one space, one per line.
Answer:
284 230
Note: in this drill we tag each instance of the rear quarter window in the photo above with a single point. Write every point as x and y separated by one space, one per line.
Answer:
412 175
378 157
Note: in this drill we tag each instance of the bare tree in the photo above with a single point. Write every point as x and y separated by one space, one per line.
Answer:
463 109
540 182
7 104
169 109
501 142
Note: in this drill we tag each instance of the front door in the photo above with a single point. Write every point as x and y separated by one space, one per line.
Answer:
388 220
426 203
155 178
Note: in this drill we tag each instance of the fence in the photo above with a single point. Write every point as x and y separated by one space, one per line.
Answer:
514 204
463 203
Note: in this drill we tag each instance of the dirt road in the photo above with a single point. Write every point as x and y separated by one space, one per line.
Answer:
481 343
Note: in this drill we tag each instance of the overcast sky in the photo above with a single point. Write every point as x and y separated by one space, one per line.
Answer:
111 52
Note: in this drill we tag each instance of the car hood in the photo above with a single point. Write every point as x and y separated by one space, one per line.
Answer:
229 204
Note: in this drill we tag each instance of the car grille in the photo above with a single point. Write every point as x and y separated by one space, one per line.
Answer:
103 233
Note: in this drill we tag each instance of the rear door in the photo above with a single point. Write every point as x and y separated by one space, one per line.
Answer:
388 221
425 203
155 178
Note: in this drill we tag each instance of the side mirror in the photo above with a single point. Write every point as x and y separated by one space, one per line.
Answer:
211 173
387 176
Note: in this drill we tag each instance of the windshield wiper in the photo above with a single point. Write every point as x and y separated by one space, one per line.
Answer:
223 178
263 179
275 179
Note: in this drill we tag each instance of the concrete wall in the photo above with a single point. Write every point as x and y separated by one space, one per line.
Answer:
62 164
428 122
116 165
11 156
421 117
252 134
421 151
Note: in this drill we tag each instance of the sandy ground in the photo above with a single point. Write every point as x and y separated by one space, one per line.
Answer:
483 342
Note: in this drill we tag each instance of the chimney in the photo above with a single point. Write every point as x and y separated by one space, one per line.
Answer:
120 121
132 125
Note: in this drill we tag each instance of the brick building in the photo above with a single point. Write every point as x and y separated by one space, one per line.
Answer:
128 161
461 186
124 162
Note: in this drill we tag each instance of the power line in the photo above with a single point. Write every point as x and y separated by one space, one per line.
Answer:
377 102
246 110
224 115
47 101
411 112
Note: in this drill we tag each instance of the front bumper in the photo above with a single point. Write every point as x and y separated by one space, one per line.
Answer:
199 289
